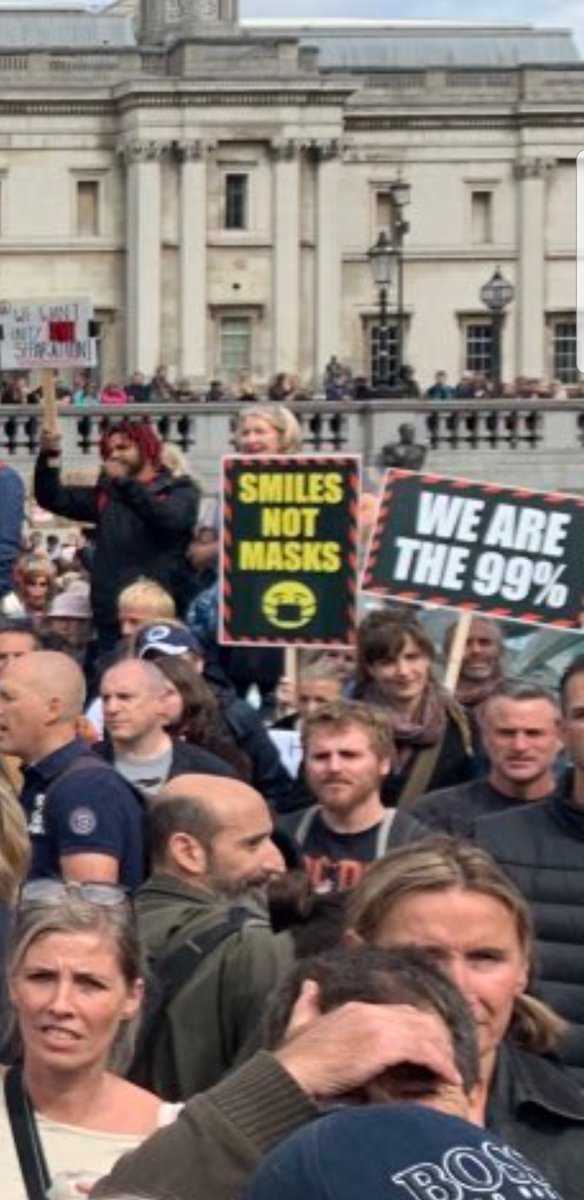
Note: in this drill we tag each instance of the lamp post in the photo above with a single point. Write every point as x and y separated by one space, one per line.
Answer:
496 294
400 194
381 257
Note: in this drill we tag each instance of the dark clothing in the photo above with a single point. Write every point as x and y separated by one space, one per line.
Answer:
89 811
268 774
440 391
455 762
539 1110
186 760
143 529
220 1136
211 1021
541 846
12 495
335 861
455 810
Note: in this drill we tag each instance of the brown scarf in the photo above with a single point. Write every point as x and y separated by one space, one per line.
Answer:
424 729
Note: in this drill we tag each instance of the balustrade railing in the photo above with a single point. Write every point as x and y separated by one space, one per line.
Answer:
523 442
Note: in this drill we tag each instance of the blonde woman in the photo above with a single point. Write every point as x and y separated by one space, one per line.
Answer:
76 989
450 897
267 429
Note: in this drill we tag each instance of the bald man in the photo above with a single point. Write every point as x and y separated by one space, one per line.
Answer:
203 921
85 822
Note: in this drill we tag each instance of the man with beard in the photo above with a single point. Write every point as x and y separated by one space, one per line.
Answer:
143 515
348 748
202 919
481 669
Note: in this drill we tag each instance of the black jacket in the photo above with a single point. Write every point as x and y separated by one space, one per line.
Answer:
541 846
268 774
142 529
539 1110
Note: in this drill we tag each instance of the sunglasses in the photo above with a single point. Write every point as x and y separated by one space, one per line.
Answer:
53 891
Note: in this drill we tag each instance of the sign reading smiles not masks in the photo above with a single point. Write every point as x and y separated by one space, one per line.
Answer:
289 563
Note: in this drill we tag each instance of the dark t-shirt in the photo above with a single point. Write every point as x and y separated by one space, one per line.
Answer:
90 811
455 810
336 861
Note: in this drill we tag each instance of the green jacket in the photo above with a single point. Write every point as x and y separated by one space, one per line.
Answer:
212 1022
213 1147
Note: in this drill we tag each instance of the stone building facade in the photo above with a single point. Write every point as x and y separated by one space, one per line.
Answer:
214 186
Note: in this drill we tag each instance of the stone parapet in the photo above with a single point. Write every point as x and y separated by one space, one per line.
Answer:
522 443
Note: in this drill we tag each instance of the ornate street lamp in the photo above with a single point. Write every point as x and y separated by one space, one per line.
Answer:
381 258
496 295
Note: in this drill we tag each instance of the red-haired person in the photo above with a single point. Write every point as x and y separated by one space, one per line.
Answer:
143 516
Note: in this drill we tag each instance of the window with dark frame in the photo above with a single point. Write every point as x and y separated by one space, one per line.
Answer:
478 350
565 364
375 346
236 200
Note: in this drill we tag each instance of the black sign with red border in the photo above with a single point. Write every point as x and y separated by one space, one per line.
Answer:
507 552
290 553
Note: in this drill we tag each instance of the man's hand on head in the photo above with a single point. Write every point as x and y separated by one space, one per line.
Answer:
337 1052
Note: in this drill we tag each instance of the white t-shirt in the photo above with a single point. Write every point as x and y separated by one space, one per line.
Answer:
67 1148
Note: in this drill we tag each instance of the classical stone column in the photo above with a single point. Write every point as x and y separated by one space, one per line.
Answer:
143 274
193 257
328 253
530 174
286 254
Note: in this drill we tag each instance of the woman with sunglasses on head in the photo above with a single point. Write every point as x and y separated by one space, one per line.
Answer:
452 899
74 978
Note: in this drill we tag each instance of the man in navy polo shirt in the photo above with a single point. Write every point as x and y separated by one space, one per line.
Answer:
84 820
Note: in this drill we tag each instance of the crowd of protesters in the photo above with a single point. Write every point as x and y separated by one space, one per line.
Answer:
261 935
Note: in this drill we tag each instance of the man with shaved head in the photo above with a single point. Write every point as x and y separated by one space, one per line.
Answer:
85 822
135 697
203 920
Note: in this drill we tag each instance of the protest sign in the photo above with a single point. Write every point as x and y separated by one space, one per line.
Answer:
47 334
289 563
507 552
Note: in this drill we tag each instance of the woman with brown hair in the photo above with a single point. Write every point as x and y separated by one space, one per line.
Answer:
225 725
452 899
432 734
194 713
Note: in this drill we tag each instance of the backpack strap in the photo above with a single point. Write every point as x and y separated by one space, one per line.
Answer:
384 833
169 975
418 778
174 969
303 829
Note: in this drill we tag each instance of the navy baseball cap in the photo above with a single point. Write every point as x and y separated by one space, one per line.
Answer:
396 1152
163 638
